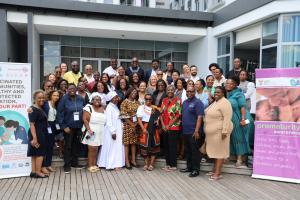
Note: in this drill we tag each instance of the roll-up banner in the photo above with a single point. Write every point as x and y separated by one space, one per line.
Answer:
15 98
277 126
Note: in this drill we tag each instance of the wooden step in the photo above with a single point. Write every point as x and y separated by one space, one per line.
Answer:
228 167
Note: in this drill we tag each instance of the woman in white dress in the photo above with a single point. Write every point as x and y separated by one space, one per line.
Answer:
112 155
94 120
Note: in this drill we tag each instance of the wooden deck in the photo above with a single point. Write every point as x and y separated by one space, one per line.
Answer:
137 184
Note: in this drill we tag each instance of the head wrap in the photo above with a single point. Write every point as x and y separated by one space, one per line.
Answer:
111 95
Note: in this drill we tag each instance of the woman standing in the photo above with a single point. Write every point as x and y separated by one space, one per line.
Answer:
94 120
209 88
168 73
171 124
160 93
128 113
200 94
105 79
134 80
149 138
121 88
101 90
62 86
180 86
142 92
37 135
241 119
82 91
186 72
152 84
248 89
49 108
112 154
218 127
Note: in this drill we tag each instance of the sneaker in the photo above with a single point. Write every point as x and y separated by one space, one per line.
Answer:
67 170
78 166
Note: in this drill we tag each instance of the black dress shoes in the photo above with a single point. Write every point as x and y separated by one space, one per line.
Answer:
194 174
185 170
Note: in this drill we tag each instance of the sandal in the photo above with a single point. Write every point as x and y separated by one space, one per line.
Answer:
91 169
150 168
209 173
215 178
145 168
50 169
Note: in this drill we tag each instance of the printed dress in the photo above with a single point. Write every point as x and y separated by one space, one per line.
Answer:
128 111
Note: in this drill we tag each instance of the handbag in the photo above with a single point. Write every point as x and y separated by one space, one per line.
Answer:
203 148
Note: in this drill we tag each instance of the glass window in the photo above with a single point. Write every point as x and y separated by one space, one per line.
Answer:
179 56
269 57
50 50
291 29
178 66
94 63
70 51
269 32
140 54
290 56
50 39
224 63
136 44
104 64
223 45
70 41
99 42
163 55
49 63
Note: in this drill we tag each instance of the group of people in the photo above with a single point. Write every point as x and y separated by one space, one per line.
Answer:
125 112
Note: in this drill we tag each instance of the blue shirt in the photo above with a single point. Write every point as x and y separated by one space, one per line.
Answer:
66 109
191 109
203 97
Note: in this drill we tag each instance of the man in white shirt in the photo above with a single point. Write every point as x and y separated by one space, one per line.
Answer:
194 76
112 69
88 73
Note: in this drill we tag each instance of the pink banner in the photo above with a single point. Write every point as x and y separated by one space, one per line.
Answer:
277 126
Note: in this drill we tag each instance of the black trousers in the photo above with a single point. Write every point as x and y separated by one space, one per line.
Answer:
170 146
71 149
192 153
50 140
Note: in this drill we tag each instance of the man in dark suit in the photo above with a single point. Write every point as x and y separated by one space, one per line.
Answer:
235 72
152 71
135 68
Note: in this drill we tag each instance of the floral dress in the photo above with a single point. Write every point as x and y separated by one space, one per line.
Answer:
128 111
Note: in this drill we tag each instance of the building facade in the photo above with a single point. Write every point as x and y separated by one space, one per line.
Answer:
263 33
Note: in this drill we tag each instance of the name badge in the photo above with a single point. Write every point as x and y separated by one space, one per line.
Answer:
57 126
49 130
76 116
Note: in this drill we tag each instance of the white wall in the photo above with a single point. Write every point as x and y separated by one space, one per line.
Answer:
202 52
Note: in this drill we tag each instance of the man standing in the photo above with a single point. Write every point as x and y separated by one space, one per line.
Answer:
194 76
235 72
88 69
152 71
135 68
74 75
192 114
112 69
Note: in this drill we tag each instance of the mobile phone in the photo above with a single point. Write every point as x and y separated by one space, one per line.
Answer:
247 121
